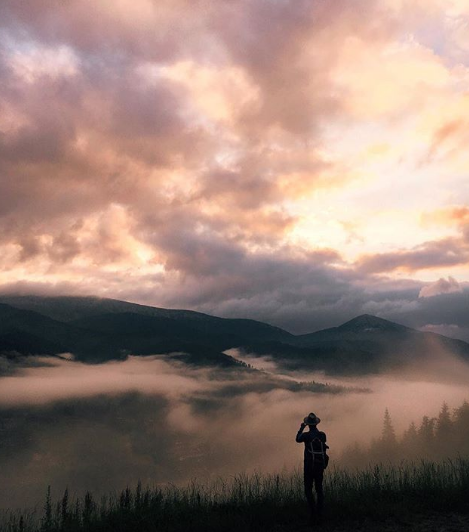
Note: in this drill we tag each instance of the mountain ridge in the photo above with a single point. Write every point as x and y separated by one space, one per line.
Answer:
100 329
368 321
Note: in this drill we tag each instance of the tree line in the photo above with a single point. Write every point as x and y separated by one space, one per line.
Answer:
434 438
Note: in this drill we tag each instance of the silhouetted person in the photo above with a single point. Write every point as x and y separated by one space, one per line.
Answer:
315 461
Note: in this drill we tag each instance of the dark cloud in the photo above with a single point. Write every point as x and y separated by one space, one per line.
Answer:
288 49
444 309
433 254
114 182
98 30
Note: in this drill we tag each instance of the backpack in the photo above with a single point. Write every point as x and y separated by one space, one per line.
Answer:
317 448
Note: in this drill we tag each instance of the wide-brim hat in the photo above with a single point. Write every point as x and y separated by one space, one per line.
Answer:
311 419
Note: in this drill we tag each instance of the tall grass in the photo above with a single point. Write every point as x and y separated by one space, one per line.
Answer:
258 501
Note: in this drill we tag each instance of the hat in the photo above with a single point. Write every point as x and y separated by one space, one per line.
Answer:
311 419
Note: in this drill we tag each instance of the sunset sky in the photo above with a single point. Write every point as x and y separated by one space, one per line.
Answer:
295 161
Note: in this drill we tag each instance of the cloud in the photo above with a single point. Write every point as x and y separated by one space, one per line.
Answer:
445 329
442 286
65 379
429 255
213 171
452 215
271 160
103 427
443 135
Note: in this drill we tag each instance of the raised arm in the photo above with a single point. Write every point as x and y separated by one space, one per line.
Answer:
299 435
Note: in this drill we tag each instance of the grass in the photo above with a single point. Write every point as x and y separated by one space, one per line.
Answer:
259 502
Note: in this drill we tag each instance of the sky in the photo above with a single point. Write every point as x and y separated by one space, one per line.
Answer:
295 161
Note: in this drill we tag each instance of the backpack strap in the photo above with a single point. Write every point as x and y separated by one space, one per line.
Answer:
316 453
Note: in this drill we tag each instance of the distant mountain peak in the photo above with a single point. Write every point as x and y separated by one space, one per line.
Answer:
370 323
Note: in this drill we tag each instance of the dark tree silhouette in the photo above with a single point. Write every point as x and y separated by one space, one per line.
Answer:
426 436
409 442
436 439
461 429
388 435
444 425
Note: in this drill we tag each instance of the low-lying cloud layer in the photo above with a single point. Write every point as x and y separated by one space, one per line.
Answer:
291 161
102 427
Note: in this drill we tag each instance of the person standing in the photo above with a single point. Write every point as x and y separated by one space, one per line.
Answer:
315 462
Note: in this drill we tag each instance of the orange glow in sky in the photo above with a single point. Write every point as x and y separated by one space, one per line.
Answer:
269 158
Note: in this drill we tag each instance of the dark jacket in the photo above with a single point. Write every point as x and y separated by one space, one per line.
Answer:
308 437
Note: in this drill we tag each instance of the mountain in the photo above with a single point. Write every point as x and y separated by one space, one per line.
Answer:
96 330
366 329
364 344
26 332
17 324
73 309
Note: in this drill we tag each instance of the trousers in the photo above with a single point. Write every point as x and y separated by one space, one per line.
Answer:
313 476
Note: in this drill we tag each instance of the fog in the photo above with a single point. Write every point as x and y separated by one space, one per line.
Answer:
409 394
103 427
62 378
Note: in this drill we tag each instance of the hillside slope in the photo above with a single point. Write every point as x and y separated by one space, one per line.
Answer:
362 345
26 332
69 309
101 329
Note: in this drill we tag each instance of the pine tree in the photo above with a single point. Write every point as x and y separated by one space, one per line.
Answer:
387 446
411 433
88 509
388 434
444 444
64 512
444 424
410 441
461 428
46 524
426 434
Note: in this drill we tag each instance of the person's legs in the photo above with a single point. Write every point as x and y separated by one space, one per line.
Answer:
318 475
308 484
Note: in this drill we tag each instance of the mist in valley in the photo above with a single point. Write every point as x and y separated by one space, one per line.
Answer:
155 419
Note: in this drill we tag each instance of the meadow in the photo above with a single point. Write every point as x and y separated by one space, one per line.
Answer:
355 499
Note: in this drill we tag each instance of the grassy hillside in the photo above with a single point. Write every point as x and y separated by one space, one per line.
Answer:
401 496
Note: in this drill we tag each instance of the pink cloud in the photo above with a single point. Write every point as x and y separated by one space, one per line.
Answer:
442 286
173 166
